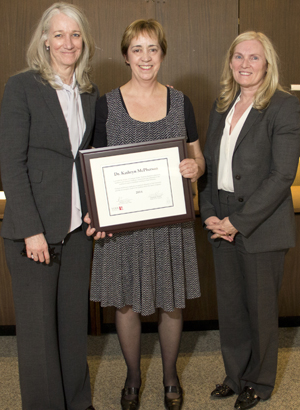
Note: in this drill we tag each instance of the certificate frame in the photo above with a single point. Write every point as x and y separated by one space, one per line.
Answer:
172 151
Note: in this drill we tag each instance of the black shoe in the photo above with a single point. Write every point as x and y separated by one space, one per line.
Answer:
247 399
90 408
173 404
221 391
132 404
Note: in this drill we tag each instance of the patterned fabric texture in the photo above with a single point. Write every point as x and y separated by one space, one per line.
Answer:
147 268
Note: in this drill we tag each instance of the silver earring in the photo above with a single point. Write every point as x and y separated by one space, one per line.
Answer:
47 48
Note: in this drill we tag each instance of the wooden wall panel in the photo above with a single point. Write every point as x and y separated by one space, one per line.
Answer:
110 71
197 42
279 20
289 300
18 20
198 33
7 312
196 46
108 21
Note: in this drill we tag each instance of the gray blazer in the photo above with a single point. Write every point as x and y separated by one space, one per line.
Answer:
264 165
36 159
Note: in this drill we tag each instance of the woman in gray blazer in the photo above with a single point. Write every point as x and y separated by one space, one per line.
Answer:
47 116
252 153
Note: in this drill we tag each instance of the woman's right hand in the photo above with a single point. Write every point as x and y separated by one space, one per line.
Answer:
213 224
92 231
37 248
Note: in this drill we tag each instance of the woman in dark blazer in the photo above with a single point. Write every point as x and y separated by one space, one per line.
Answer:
47 116
252 153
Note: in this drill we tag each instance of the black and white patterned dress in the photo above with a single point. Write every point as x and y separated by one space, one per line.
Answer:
148 268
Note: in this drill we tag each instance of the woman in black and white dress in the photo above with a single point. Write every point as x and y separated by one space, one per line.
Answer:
140 271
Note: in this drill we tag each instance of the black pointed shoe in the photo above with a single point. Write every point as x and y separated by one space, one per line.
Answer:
133 404
221 391
247 399
173 404
90 408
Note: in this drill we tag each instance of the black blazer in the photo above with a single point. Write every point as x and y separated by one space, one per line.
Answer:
36 158
264 165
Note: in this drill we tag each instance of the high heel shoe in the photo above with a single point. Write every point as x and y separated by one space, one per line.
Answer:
173 404
133 404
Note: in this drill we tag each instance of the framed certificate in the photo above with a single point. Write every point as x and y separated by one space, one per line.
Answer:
137 186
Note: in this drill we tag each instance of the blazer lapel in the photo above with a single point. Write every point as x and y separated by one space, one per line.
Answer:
50 96
85 102
252 117
218 136
52 101
219 132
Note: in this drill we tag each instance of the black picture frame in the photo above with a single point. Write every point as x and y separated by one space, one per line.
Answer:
115 154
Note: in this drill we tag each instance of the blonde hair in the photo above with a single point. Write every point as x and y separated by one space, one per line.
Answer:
151 27
38 58
229 87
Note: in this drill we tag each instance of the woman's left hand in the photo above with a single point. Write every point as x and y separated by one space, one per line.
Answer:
37 248
223 229
193 166
189 169
92 231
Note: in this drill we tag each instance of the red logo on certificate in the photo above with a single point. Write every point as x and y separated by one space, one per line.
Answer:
120 208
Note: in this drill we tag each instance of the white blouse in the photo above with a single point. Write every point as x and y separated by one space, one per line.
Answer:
228 142
70 102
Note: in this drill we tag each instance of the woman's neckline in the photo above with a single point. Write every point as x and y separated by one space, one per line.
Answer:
147 122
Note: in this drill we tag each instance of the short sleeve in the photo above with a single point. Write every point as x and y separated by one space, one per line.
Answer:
190 121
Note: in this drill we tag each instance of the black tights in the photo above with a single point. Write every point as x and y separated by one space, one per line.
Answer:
128 324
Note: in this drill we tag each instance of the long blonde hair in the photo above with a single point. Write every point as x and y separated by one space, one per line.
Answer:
229 87
38 58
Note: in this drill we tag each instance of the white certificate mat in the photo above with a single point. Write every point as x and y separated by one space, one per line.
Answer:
145 183
136 186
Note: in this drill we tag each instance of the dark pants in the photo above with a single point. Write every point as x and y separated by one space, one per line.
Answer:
247 289
51 304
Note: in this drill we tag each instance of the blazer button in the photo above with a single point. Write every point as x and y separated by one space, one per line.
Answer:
241 199
237 177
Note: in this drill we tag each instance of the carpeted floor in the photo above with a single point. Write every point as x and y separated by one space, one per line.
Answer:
200 367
